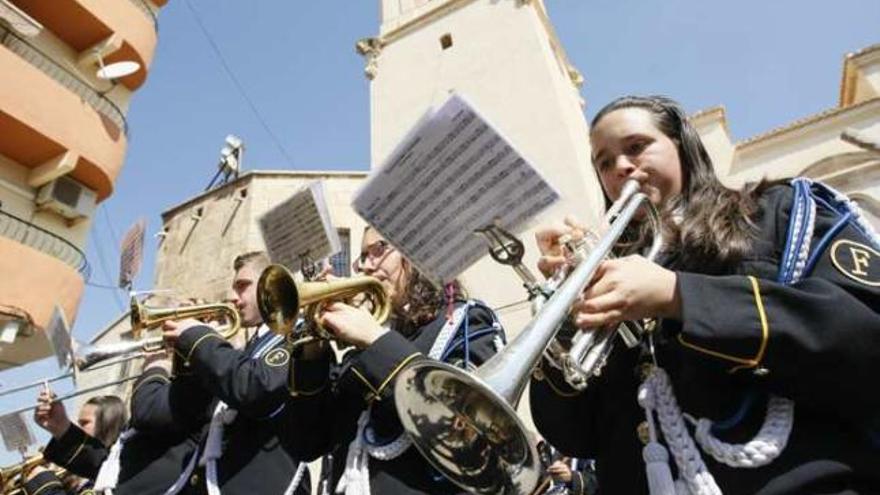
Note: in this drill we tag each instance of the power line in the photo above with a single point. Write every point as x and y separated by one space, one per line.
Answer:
102 286
100 251
239 86
110 228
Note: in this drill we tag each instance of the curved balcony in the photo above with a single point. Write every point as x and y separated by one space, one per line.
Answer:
143 7
24 49
39 270
83 24
36 237
47 112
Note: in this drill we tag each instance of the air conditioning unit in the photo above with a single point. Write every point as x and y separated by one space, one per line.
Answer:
68 198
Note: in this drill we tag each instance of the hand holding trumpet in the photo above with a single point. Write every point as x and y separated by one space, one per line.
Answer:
622 289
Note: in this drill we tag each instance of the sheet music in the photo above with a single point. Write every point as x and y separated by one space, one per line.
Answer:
59 337
300 227
17 435
452 174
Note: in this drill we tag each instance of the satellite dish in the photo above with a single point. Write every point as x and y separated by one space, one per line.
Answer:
117 70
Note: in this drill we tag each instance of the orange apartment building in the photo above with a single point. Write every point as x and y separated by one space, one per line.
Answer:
63 136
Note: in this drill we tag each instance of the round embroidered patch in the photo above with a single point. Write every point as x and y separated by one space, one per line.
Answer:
857 261
277 357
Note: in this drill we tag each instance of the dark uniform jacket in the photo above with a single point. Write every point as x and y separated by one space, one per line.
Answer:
583 480
47 483
366 378
268 438
77 452
816 342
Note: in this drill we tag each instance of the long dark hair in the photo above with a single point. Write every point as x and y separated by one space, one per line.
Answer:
420 301
109 417
709 224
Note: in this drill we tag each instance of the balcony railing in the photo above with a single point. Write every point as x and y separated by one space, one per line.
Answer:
66 78
142 5
26 233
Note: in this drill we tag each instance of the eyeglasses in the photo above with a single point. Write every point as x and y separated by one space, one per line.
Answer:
373 251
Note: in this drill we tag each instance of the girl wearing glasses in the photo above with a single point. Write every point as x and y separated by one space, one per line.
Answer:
371 452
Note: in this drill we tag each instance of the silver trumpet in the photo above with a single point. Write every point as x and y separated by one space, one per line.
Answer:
590 349
88 356
466 424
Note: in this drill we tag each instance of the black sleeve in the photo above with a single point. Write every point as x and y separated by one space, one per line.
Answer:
161 404
45 483
254 387
77 452
310 406
816 341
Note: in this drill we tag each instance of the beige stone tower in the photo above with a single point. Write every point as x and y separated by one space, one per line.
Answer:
505 58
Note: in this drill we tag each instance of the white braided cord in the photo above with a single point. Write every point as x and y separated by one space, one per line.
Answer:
803 254
399 445
355 480
656 395
759 451
857 215
798 218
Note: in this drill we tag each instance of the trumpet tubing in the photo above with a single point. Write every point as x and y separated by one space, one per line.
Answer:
144 318
88 356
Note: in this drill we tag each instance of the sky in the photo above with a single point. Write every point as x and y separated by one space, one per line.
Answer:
299 100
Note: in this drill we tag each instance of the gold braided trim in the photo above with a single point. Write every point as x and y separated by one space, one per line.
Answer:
765 335
78 449
196 344
396 370
47 485
373 392
306 393
151 378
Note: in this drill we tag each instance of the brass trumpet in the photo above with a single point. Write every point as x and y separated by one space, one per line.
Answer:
12 477
92 357
143 319
280 298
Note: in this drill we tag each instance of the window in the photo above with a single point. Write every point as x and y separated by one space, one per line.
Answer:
341 261
446 41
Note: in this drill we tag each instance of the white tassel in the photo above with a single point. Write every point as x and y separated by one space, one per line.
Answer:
660 480
108 475
297 478
223 416
356 478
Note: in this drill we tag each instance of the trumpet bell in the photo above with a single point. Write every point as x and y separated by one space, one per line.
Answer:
138 317
278 299
466 430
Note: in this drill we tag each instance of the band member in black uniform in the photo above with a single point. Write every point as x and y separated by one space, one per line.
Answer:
98 425
757 330
571 476
255 441
565 475
372 453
